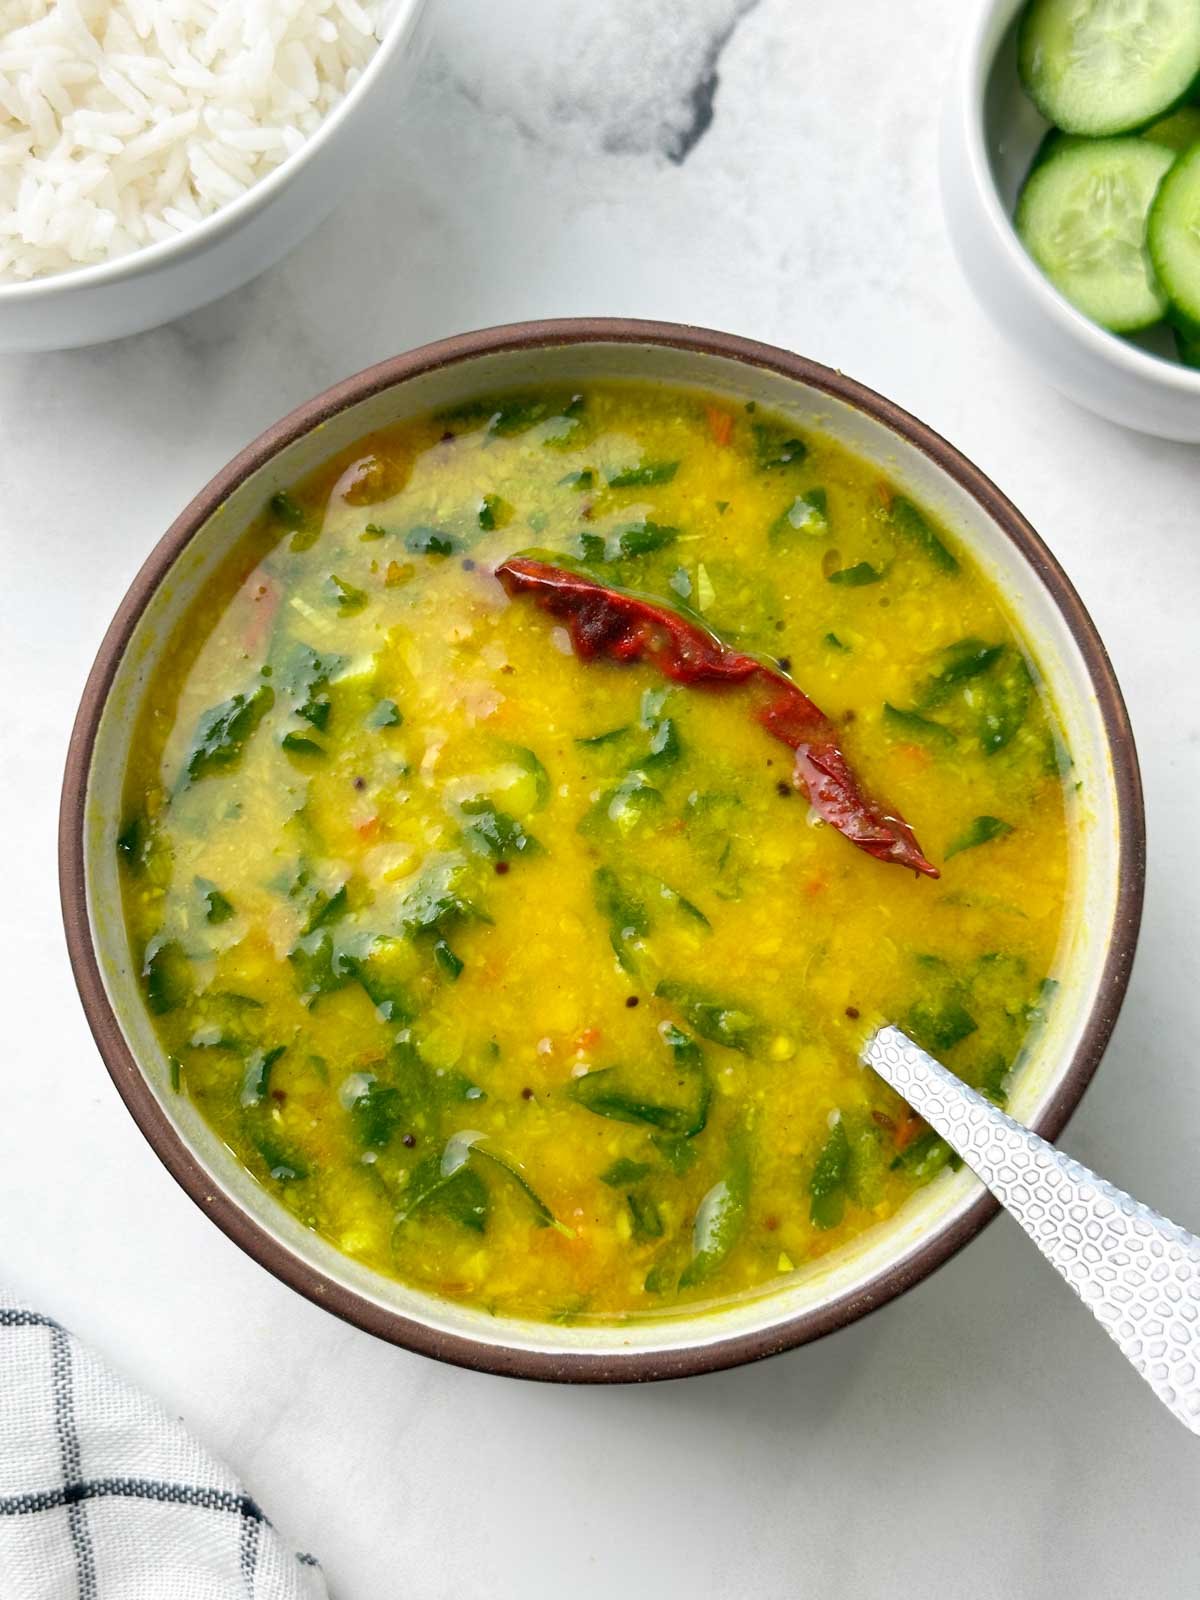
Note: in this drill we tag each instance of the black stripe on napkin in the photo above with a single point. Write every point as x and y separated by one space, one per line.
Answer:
15 1317
248 1550
63 1379
176 1494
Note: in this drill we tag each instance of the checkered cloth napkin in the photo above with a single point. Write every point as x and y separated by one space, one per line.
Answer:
105 1497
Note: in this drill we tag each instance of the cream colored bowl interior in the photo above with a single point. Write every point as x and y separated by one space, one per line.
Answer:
1095 872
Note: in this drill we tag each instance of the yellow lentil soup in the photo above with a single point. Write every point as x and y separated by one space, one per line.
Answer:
521 966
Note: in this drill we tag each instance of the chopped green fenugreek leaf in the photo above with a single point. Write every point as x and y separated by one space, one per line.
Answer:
216 907
166 971
625 1171
256 1076
607 737
808 514
299 744
857 576
1006 695
911 523
645 1217
384 714
982 831
535 773
827 1186
939 1024
286 509
721 1215
222 733
131 842
377 1112
283 1164
425 541
494 833
450 963
776 449
626 915
726 1024
643 477
543 1217
493 512
344 596
957 664
459 1196
912 725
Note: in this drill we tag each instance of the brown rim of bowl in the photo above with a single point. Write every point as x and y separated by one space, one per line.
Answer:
583 1366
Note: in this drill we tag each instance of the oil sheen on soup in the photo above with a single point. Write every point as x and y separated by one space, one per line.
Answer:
520 933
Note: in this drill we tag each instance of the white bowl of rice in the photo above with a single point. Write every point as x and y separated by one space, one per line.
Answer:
155 154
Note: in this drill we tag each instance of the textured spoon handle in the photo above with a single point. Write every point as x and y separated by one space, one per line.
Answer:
1137 1273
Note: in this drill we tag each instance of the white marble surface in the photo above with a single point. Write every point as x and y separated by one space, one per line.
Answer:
980 1436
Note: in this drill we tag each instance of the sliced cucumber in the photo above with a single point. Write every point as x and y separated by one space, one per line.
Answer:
1173 133
1107 66
1082 217
1188 348
1173 235
1179 131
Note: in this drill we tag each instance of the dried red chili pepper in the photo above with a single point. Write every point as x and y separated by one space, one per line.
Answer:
608 622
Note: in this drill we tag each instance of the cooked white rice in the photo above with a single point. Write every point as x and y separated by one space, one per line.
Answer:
123 122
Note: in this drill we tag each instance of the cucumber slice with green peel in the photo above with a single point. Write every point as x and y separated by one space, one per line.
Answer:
1172 133
1188 346
1173 235
1179 131
1053 140
1082 217
1099 67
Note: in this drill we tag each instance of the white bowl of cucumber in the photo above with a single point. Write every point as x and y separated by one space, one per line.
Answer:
1081 237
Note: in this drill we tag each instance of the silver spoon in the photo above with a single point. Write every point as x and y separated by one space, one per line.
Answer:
1137 1273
